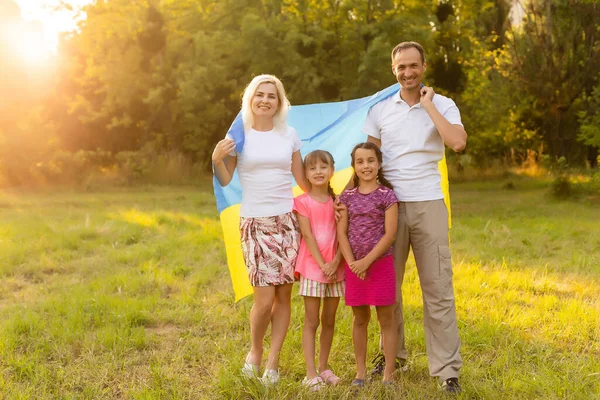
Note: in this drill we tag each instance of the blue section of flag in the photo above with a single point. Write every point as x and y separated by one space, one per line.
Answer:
335 127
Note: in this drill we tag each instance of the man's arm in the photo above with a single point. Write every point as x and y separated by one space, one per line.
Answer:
454 136
374 140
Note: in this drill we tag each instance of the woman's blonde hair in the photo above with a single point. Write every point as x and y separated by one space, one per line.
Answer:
280 117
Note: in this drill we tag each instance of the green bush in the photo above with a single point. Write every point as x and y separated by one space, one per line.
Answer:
89 168
132 166
595 183
65 167
593 186
149 165
561 188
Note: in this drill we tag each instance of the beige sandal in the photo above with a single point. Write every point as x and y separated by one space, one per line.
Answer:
249 370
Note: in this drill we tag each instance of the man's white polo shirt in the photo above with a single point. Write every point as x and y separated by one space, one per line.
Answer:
411 145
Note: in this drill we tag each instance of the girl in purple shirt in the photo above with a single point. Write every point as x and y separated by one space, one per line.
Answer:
366 232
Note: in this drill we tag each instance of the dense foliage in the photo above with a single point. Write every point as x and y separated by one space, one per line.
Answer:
145 78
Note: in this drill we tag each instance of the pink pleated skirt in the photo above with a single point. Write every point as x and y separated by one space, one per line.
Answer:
378 288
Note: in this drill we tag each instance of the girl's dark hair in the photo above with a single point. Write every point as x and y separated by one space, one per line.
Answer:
326 158
371 146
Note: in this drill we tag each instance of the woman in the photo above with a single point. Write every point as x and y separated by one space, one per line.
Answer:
269 230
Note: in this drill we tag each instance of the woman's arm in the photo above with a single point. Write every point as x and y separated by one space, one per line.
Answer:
224 164
298 171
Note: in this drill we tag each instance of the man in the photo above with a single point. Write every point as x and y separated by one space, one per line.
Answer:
411 128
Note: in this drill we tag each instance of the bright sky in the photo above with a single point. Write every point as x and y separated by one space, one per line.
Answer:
53 19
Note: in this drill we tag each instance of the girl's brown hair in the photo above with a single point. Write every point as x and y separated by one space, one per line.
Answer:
326 158
371 146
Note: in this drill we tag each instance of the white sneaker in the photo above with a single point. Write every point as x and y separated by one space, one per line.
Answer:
314 384
270 377
250 371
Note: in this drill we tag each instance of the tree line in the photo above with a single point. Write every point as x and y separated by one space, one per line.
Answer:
145 78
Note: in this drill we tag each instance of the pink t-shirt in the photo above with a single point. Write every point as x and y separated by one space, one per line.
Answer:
322 224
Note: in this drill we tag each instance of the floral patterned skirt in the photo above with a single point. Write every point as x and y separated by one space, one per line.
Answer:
270 247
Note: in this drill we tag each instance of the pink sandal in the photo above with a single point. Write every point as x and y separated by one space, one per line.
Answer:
329 377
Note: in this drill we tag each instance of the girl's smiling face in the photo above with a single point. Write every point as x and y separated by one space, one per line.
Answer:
366 164
265 101
319 173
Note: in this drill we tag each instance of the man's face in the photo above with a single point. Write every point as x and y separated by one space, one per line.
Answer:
409 68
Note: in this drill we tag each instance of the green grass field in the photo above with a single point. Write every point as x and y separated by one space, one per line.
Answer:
125 294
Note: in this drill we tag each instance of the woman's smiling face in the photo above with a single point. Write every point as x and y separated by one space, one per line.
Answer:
265 102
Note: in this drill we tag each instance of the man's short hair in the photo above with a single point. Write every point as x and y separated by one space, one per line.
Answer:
408 45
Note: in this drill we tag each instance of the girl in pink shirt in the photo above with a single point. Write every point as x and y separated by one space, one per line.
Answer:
319 266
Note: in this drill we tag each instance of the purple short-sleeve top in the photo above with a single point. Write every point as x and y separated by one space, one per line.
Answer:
366 218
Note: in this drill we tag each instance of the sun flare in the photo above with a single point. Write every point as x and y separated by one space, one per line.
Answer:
27 43
43 21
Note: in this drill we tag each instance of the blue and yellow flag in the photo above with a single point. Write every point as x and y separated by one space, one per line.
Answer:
335 127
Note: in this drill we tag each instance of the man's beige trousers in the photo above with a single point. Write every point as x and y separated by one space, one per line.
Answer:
423 226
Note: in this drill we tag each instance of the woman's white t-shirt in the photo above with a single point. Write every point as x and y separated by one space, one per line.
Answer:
265 170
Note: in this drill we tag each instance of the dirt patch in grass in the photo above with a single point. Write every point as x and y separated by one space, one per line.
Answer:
17 289
164 330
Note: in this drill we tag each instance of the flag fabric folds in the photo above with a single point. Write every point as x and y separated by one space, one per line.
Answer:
335 127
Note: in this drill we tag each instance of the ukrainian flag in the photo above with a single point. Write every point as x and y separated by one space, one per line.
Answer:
335 127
